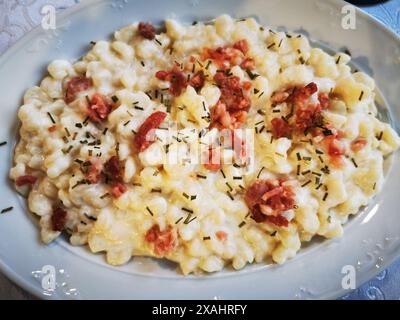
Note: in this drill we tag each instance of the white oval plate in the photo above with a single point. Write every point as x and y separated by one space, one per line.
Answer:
371 240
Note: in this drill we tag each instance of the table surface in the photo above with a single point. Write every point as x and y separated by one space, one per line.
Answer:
17 17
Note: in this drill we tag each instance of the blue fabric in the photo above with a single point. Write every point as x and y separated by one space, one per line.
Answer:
387 284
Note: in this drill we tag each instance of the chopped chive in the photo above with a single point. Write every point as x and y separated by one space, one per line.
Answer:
271 45
229 186
139 108
319 151
260 95
307 158
301 59
319 186
3 143
148 209
259 173
104 195
126 123
354 162
187 210
201 176
298 170
179 220
90 217
338 59
66 151
374 186
273 233
78 125
67 131
51 117
298 156
320 159
305 172
155 190
206 238
230 196
279 154
237 178
252 75
185 195
361 95
158 42
84 223
380 135
223 174
306 183
280 42
6 209
256 91
325 196
329 219
241 224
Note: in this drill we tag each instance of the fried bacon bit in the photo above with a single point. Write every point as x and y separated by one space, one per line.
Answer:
117 189
228 56
358 144
268 199
280 128
52 128
76 85
279 97
147 30
197 81
232 94
248 64
307 115
112 171
335 147
58 219
242 46
323 98
24 180
214 159
93 171
177 79
221 235
163 241
145 135
99 108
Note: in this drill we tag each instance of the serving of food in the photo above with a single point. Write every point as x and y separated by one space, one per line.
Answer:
96 138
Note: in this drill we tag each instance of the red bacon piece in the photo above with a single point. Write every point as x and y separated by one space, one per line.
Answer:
232 94
358 144
176 78
144 137
323 98
248 64
99 108
275 195
197 81
147 30
76 85
221 235
280 128
241 45
163 241
24 180
58 219
117 189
